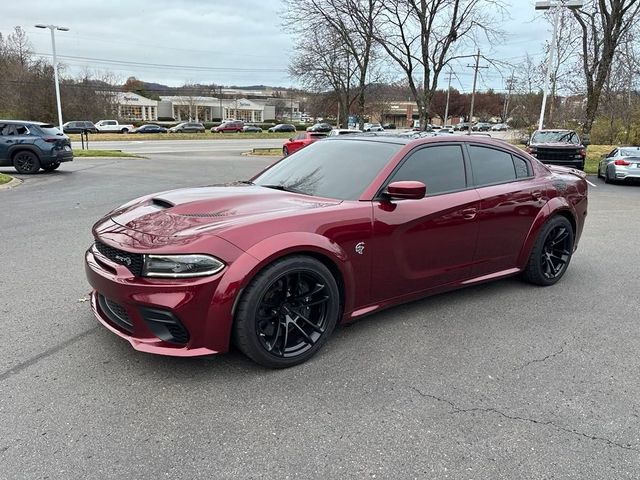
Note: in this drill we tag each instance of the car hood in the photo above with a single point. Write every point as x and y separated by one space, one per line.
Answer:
213 209
555 145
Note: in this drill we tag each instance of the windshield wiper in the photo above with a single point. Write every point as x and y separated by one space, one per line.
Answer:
245 182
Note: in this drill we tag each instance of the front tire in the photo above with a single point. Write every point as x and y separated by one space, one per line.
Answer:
285 151
26 162
287 312
551 252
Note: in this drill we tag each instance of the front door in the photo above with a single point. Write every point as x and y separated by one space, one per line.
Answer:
421 244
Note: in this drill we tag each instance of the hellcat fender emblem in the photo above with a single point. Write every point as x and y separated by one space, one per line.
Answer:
360 248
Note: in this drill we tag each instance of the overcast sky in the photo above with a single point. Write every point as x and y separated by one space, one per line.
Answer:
240 42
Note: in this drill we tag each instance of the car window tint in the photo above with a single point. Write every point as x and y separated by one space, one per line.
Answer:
332 169
440 168
521 166
491 166
5 129
21 130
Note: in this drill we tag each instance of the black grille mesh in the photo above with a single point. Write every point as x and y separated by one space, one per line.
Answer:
116 313
559 155
133 261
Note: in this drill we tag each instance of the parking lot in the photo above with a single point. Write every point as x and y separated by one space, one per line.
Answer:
498 381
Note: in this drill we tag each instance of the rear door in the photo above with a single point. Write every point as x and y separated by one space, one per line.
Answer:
5 142
510 200
421 244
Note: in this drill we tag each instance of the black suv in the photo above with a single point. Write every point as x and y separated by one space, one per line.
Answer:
558 147
81 126
29 146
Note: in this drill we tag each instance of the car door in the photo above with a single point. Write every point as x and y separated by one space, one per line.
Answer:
421 244
510 199
5 142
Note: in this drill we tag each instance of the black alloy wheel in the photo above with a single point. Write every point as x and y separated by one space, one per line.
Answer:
51 167
607 178
285 151
551 253
287 312
26 162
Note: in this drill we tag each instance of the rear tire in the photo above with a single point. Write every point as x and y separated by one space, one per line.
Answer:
551 252
51 167
285 151
607 179
26 162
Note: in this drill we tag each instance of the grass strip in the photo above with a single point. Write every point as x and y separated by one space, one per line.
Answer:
104 153
5 178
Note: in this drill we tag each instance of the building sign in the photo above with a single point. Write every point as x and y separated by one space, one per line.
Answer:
131 99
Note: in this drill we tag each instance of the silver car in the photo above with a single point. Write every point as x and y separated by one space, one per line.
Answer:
622 163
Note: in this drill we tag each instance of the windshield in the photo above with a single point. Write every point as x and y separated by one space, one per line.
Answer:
331 169
551 137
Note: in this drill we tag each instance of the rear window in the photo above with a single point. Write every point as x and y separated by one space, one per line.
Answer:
630 152
49 129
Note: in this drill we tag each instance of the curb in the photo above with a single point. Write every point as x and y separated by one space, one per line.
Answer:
11 184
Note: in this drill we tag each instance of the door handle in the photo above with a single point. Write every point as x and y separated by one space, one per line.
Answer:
469 213
537 195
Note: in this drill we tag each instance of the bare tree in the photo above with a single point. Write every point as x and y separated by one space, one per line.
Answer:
349 22
422 37
604 24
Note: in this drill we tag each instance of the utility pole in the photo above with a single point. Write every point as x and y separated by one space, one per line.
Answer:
446 109
505 109
473 91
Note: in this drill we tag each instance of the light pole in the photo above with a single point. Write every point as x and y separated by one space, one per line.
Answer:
55 65
556 5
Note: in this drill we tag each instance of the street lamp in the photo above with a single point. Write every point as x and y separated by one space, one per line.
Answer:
556 5
55 65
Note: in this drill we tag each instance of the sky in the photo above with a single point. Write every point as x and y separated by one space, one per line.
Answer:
227 42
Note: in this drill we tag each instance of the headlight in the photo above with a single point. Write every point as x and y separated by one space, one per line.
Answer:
180 266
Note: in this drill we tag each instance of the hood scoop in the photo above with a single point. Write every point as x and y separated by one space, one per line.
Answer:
159 202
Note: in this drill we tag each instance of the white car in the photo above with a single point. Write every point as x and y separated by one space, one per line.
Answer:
343 131
500 127
372 127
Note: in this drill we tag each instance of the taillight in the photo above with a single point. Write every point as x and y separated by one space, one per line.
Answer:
622 162
583 152
531 150
50 140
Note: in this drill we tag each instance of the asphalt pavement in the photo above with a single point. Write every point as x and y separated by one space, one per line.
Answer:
498 381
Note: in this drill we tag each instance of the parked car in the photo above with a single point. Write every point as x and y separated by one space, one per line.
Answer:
301 141
320 127
113 126
500 127
252 129
558 147
372 127
228 126
343 131
79 127
150 128
482 127
621 164
282 127
188 127
29 146
344 227
461 126
389 126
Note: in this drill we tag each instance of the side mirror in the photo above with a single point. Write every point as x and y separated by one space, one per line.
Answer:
291 139
586 141
407 189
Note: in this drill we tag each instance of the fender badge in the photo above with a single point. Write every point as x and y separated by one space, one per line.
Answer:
360 248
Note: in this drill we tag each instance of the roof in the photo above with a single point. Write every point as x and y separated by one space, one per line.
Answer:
30 122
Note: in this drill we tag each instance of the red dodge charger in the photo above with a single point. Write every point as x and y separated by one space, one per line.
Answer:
340 229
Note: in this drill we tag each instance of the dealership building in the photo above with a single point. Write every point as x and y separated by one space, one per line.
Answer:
133 107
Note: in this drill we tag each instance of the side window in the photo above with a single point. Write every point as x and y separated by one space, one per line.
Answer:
521 166
491 166
440 168
4 130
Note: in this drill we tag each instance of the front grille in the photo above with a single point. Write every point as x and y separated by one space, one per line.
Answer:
116 313
133 261
557 155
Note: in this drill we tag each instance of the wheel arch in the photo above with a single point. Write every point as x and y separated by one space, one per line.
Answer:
260 256
21 147
556 206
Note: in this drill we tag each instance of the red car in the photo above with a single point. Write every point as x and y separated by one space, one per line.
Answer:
341 229
228 126
301 141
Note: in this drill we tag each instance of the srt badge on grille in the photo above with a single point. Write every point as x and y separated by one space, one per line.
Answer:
124 260
360 248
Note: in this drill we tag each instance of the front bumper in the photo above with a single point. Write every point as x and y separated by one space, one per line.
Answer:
126 304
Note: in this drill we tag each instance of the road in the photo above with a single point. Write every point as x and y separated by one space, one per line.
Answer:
498 381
